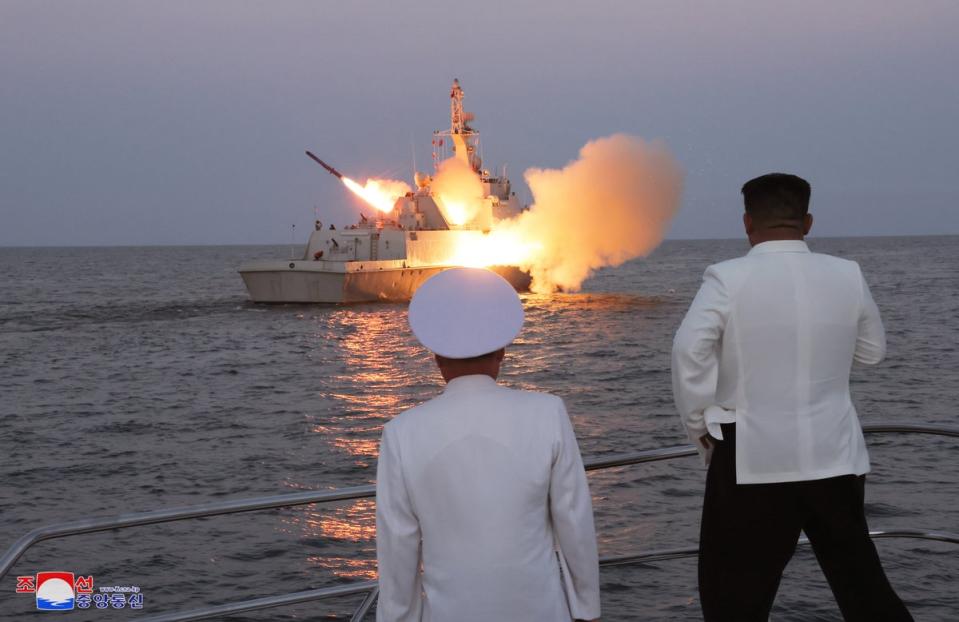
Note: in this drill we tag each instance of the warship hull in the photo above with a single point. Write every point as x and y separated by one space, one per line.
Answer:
328 282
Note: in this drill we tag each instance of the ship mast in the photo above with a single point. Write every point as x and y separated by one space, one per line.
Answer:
457 113
464 139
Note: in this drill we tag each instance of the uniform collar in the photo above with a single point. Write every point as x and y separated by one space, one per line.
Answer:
780 246
474 382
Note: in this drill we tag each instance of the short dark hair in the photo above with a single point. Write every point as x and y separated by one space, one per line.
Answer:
777 200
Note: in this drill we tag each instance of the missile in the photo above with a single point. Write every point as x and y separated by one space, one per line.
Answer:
330 169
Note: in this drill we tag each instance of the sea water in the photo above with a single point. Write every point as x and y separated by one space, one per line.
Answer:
142 378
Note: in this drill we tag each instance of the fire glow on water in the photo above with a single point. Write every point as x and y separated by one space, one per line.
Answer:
612 204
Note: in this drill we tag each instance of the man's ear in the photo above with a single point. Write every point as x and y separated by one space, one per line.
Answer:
807 224
748 223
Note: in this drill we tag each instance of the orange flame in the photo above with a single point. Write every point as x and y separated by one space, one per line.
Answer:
380 193
456 212
458 190
500 247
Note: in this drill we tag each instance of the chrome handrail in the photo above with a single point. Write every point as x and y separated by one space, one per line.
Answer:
367 604
679 553
120 521
909 428
60 530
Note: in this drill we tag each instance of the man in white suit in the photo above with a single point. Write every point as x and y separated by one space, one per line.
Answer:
482 506
761 369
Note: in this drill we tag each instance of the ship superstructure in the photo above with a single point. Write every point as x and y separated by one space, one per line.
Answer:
387 256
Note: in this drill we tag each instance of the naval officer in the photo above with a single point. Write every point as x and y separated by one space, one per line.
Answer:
761 379
482 506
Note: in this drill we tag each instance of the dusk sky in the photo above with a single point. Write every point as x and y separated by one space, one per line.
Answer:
129 123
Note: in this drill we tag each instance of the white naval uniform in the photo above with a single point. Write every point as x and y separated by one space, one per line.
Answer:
768 344
484 488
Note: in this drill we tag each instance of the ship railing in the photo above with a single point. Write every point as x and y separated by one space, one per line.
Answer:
369 589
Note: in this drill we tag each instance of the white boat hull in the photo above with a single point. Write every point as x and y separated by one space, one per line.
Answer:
345 282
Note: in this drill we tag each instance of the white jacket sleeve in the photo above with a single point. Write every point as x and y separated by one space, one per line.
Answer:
695 365
571 510
397 539
871 340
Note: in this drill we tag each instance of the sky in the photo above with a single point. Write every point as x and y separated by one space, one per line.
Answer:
185 122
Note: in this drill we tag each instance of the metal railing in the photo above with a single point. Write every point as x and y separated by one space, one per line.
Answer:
369 588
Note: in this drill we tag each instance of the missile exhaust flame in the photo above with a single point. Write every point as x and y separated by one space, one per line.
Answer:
380 193
459 191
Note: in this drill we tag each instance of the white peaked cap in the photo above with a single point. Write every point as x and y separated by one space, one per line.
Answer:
465 312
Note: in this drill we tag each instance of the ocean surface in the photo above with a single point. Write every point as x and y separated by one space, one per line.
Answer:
142 378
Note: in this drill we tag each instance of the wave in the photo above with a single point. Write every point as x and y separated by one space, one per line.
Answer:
69 317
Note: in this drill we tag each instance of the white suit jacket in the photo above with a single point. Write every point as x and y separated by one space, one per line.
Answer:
484 488
768 342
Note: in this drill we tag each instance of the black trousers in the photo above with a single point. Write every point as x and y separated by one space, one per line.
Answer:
749 533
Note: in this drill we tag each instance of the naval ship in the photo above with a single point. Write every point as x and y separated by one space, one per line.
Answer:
388 256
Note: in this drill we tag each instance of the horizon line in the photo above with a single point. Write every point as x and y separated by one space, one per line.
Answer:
676 239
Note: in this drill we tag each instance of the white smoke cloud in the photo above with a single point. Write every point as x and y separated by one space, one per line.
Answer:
612 204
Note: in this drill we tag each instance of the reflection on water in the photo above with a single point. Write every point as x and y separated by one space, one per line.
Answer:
374 364
372 368
355 522
360 441
347 567
321 525
375 402
374 346
358 446
375 369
